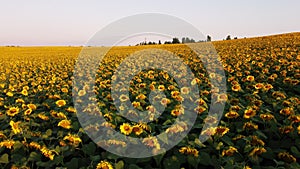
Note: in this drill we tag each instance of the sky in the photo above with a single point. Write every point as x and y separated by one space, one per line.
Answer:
74 22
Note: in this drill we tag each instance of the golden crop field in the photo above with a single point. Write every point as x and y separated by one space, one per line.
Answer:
259 128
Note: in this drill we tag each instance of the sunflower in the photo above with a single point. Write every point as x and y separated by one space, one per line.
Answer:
35 145
236 88
230 151
73 139
136 104
200 109
24 92
176 112
2 135
249 113
189 151
209 131
185 90
15 127
104 165
267 87
43 117
12 111
258 86
232 115
126 128
31 106
81 93
48 153
7 143
256 141
250 78
9 94
286 157
152 87
141 97
222 97
161 87
65 124
250 126
266 117
123 98
287 111
295 118
221 130
116 142
137 130
64 90
257 151
151 142
165 101
20 101
28 112
195 81
71 110
286 129
60 103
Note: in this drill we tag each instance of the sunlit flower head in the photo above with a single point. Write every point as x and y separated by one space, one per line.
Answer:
104 165
125 128
137 130
65 124
230 151
189 151
60 103
12 111
15 127
248 113
231 115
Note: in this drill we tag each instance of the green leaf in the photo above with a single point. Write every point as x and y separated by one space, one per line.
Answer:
158 158
34 156
261 134
119 165
89 149
17 145
198 142
193 161
204 158
167 122
49 132
227 140
96 158
164 138
295 151
171 163
4 159
73 163
133 166
278 162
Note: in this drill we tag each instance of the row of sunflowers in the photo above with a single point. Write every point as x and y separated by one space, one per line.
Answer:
259 127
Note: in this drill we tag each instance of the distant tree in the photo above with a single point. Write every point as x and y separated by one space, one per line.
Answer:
183 40
168 42
187 40
228 37
159 42
192 41
208 39
175 41
235 38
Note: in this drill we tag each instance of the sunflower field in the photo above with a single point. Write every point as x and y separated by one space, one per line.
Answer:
259 127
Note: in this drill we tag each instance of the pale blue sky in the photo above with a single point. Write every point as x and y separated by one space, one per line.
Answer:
74 22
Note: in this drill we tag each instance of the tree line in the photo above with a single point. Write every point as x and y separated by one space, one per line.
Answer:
183 40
